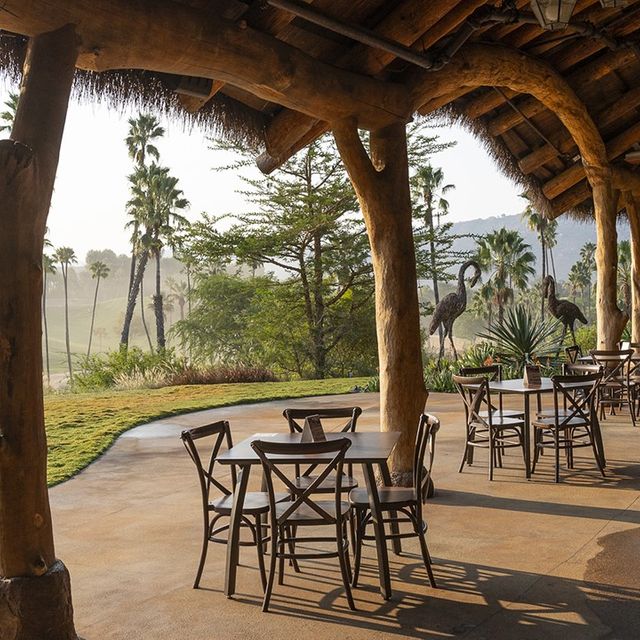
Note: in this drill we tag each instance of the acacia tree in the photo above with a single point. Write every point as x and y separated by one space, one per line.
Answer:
99 271
305 225
66 256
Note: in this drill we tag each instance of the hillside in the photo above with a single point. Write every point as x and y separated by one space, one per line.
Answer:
571 236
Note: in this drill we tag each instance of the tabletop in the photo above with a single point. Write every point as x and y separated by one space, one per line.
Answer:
518 386
589 359
371 447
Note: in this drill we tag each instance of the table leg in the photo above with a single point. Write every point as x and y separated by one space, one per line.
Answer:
395 529
527 435
233 546
378 527
596 434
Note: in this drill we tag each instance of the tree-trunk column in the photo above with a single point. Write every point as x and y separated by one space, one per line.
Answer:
633 214
610 319
35 595
382 186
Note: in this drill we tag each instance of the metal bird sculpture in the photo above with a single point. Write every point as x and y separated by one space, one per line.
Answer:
563 310
453 305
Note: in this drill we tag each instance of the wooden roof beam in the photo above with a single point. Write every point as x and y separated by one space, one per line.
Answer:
416 23
168 37
615 148
607 117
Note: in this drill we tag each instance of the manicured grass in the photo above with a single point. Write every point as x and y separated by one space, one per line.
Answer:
82 426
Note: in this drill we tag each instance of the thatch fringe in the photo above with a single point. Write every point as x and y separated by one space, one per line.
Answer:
507 163
222 116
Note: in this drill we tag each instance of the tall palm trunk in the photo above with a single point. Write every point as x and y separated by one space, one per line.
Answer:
432 256
144 319
46 327
65 270
93 315
543 248
131 302
157 307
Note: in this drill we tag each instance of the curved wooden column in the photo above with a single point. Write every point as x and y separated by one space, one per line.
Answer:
633 214
488 65
381 183
35 594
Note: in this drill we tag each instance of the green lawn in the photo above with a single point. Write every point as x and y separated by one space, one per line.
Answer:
82 426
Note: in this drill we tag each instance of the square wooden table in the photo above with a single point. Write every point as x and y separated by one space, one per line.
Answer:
517 387
370 449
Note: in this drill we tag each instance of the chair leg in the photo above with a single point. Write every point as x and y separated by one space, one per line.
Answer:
282 535
464 457
203 557
291 534
272 569
556 437
353 523
360 529
342 551
491 455
426 558
260 549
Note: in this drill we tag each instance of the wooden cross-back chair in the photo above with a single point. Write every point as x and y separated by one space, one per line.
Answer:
492 372
403 504
484 428
305 509
571 426
217 498
573 353
617 387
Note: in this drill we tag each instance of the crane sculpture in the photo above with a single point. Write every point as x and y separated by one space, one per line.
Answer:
563 310
452 306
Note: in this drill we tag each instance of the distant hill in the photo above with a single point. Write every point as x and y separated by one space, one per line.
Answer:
571 236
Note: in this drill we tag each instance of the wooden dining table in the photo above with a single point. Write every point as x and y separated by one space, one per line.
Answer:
518 387
370 449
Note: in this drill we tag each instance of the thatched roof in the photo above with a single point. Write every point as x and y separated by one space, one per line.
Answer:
598 55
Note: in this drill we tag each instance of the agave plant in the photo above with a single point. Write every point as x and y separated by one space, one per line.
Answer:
522 334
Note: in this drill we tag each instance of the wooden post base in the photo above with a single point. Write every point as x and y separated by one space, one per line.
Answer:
37 608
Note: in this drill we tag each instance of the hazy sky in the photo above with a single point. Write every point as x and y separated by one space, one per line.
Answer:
88 207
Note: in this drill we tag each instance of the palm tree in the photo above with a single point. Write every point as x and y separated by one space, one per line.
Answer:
624 273
179 294
507 257
48 267
99 270
66 256
546 230
143 130
8 116
587 255
428 181
154 205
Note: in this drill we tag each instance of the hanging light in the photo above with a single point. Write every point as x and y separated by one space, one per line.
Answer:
614 4
554 14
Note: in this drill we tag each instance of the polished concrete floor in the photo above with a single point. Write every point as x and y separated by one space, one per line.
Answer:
514 559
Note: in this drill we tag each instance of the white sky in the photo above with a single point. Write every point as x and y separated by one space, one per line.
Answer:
88 207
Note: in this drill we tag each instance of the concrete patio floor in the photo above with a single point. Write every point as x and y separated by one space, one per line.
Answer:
514 559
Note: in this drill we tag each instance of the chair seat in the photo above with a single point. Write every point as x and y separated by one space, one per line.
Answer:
550 423
304 514
505 413
501 422
328 485
550 413
389 496
254 502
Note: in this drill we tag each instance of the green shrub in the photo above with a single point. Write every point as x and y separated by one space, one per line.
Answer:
587 338
523 334
120 367
373 384
438 374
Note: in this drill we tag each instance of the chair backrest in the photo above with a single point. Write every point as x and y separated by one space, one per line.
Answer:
577 395
295 416
579 369
573 353
428 426
615 364
475 394
490 371
213 437
327 457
